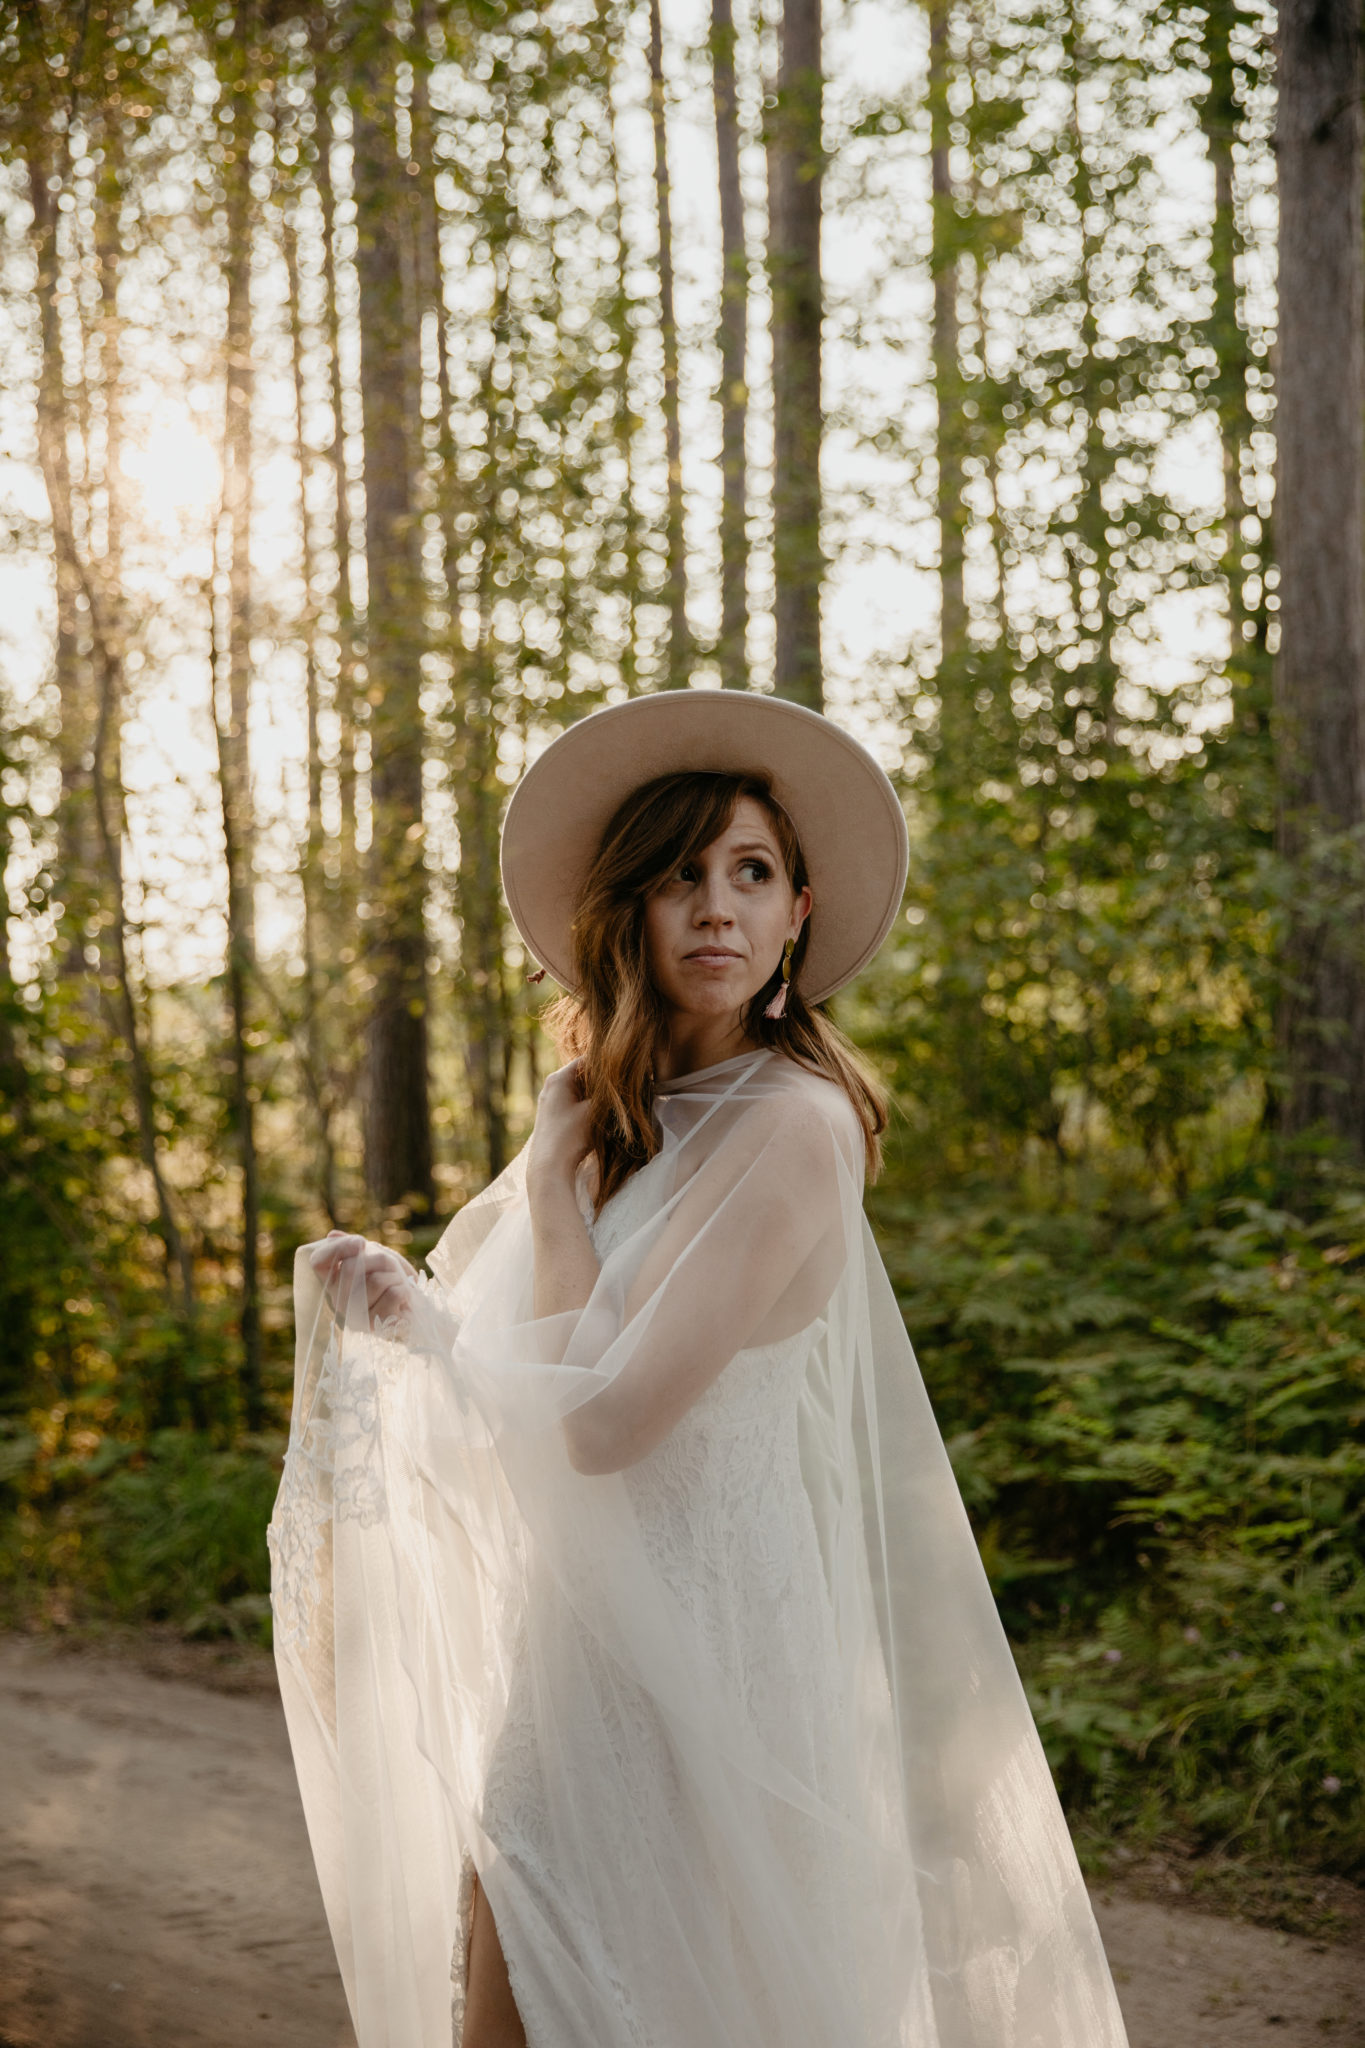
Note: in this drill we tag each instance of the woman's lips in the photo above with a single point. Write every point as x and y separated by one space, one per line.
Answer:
711 956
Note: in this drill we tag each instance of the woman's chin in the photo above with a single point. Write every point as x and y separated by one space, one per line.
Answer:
710 1004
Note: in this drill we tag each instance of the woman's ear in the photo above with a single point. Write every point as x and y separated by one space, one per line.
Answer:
800 911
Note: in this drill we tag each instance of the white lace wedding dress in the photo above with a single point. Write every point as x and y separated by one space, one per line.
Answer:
731 1735
726 1522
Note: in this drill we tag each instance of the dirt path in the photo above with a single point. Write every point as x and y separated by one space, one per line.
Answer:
156 1890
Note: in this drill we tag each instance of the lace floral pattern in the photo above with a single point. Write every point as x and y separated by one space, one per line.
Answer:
332 1469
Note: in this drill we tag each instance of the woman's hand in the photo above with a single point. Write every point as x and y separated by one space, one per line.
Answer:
559 1142
342 1261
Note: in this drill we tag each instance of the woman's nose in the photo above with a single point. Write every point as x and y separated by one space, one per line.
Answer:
713 906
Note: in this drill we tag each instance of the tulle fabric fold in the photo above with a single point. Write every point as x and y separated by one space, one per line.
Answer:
707 1814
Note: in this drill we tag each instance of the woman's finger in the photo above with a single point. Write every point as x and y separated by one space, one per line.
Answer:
336 1247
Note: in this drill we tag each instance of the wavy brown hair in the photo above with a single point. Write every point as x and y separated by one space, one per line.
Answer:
613 1022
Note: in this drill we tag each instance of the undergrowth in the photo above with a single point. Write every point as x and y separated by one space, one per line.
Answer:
1156 1418
172 1530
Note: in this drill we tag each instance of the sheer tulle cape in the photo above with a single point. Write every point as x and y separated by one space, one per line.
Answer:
437 1552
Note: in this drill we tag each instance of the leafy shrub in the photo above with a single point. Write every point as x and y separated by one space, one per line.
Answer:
1156 1418
170 1531
179 1535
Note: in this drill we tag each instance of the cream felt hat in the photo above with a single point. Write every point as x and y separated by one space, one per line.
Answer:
847 816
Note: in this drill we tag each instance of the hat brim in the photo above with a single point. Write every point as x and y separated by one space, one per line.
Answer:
847 816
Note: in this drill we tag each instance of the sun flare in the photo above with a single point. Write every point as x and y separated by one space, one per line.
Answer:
176 471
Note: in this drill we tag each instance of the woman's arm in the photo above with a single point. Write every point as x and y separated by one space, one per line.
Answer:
760 1229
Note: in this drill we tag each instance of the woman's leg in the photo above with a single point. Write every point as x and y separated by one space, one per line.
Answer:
491 2019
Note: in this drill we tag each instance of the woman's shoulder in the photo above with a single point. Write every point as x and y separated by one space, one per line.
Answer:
806 1105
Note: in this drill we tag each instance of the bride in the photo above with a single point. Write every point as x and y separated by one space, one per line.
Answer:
644 1685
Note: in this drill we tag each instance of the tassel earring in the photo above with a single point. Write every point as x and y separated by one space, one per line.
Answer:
778 1006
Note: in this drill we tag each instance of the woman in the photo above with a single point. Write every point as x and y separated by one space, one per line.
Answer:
644 1684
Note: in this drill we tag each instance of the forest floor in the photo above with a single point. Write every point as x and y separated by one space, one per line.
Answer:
156 1885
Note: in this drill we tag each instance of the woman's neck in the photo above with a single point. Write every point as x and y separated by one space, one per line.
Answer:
687 1044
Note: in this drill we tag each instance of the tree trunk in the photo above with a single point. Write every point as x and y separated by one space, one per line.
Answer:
623 331
231 718
472 692
78 864
795 169
178 1259
237 444
398 1157
732 336
430 266
675 593
314 1047
238 971
1218 117
341 518
480 904
1320 528
944 265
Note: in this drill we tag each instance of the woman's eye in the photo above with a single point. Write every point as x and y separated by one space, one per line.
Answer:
757 870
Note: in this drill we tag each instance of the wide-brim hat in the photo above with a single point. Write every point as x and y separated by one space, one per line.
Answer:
847 816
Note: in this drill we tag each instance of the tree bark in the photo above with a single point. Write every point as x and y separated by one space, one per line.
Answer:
795 170
237 973
675 589
236 73
623 330
480 904
732 336
398 1154
78 866
231 731
1320 527
1218 118
949 503
472 690
314 1048
341 518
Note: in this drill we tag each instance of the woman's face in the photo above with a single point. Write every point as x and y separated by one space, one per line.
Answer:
714 931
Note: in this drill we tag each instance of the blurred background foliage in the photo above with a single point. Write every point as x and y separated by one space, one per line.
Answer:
494 339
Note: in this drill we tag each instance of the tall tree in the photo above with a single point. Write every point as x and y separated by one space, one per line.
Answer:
795 183
324 84
675 551
621 315
237 975
1219 119
733 338
1320 531
398 1152
945 268
314 1061
238 71
46 150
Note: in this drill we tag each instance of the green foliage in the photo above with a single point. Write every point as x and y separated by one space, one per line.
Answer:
1155 1412
178 1535
172 1530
